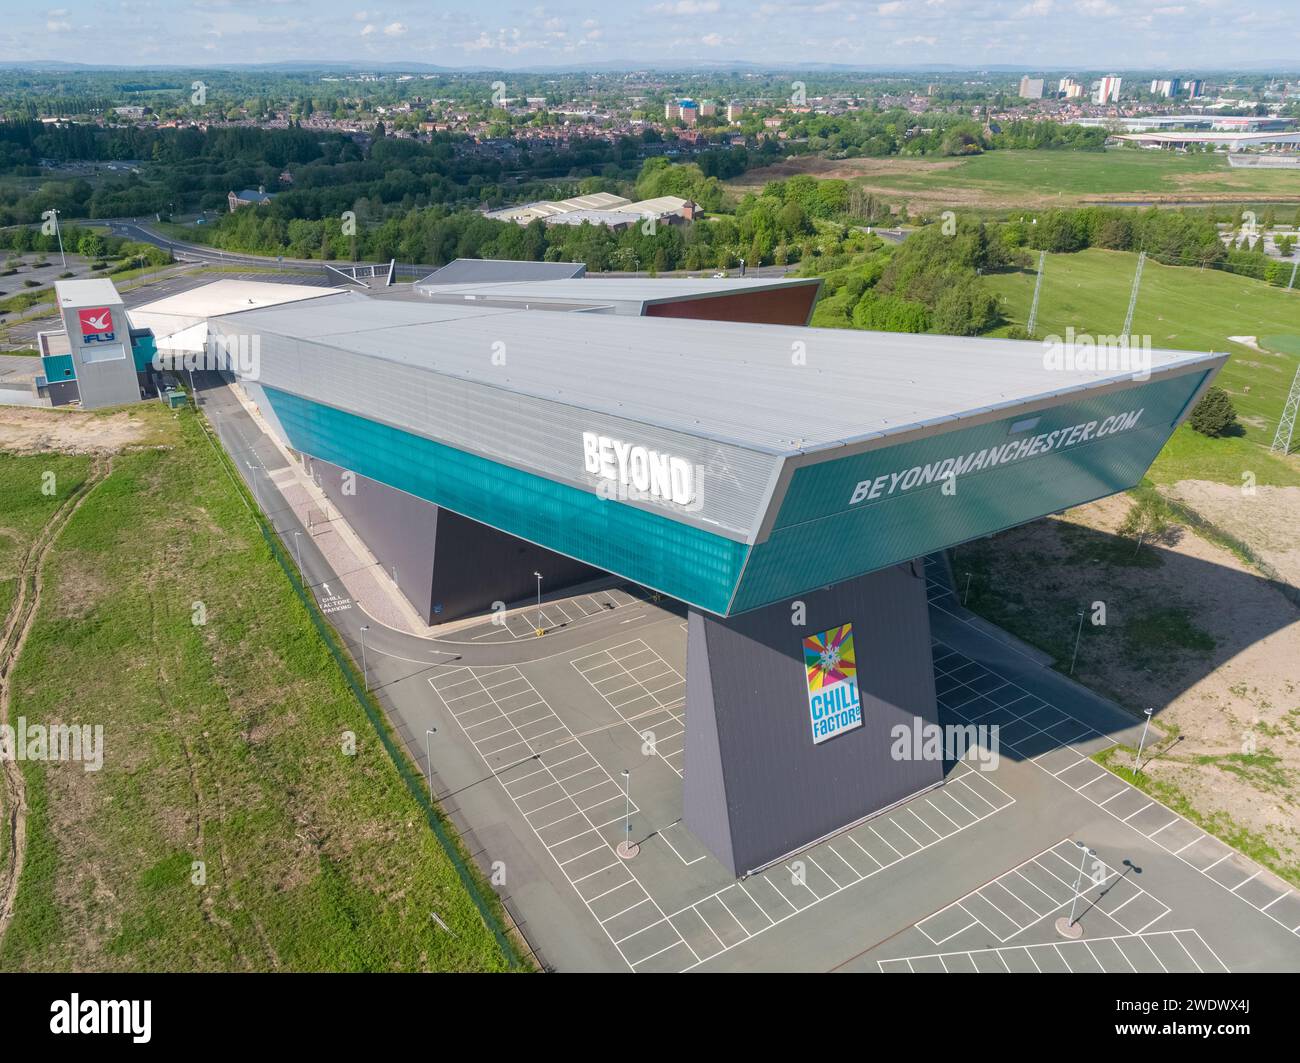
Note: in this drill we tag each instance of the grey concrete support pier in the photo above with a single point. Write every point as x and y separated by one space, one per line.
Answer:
757 784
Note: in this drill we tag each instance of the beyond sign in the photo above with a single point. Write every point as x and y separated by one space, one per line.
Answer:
648 472
832 669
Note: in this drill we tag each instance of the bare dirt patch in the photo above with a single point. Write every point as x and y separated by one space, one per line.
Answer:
31 431
1192 631
1266 521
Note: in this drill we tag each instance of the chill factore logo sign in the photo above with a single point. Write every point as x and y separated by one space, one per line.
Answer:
832 668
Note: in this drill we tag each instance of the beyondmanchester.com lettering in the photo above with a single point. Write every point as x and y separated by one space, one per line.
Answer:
1018 449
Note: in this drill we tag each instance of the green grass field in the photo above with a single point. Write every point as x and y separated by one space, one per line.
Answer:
1074 175
1002 181
225 749
1183 309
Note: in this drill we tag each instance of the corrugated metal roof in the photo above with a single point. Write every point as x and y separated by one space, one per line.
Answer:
86 292
626 294
595 201
657 205
592 217
488 270
733 383
228 297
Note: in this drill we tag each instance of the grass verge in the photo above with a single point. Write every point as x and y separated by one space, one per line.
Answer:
1219 825
231 826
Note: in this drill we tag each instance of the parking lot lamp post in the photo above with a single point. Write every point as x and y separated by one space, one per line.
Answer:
365 671
1068 927
252 476
1137 764
54 213
428 758
1077 635
540 630
626 849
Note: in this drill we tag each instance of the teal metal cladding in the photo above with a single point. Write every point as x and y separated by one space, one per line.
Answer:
143 348
819 538
681 561
58 367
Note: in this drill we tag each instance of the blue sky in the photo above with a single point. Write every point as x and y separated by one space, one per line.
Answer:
1183 35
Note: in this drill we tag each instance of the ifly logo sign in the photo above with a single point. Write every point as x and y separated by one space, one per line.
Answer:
96 324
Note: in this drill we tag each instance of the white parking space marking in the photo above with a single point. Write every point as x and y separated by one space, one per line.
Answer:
646 691
1039 888
1047 736
567 798
1163 951
556 614
770 897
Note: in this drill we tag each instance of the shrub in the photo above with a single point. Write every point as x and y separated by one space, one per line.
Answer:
1214 415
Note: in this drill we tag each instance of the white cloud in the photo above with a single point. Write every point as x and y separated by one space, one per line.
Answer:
929 42
891 8
395 29
367 30
1099 8
687 7
1034 9
360 16
712 40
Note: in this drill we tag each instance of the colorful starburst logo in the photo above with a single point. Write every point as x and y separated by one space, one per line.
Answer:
829 657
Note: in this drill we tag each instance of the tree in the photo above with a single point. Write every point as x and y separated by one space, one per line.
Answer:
92 246
1214 415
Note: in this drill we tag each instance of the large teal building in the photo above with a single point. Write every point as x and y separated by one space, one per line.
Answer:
743 469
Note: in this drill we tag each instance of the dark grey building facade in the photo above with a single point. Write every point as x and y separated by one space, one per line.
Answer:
446 565
757 786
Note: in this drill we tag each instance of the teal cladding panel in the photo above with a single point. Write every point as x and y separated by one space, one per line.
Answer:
819 538
58 367
143 349
677 559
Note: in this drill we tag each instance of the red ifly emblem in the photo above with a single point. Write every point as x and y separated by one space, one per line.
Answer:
96 324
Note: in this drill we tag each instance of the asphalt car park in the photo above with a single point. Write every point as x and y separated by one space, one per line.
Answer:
969 876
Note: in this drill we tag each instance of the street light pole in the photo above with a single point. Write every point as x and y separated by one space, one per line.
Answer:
1077 635
627 849
1137 763
252 475
365 671
1068 927
540 630
428 759
59 233
297 546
